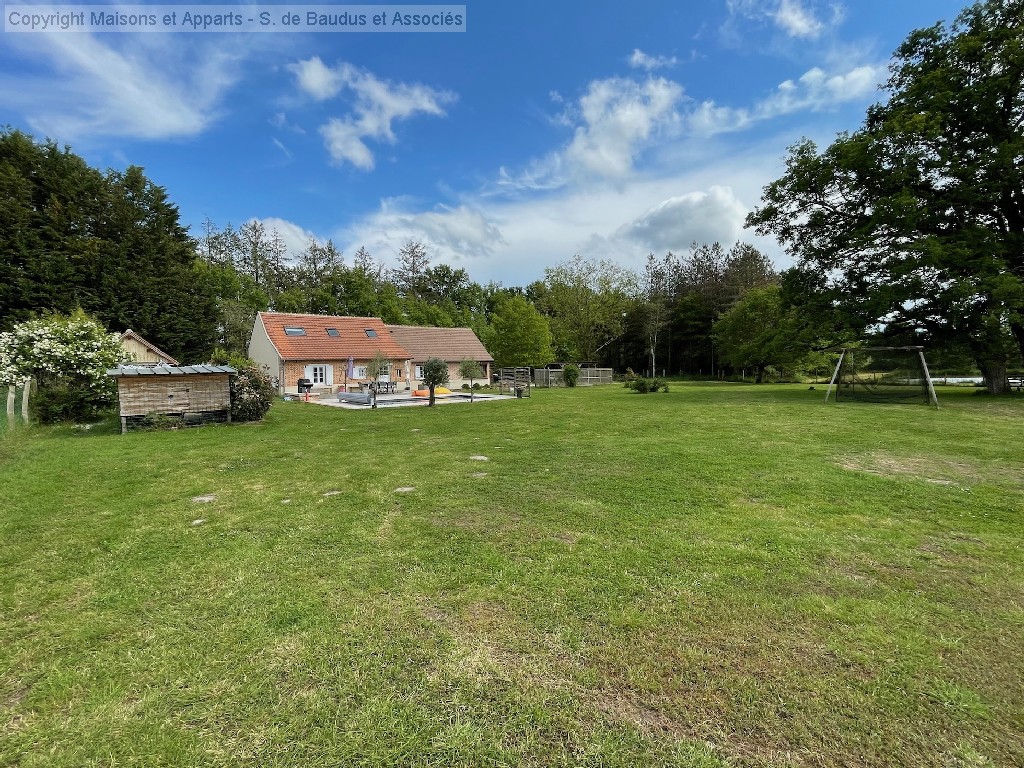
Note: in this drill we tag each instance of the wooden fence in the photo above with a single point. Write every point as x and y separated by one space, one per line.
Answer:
12 397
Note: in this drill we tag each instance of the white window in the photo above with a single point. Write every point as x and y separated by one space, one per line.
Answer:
320 375
419 372
359 372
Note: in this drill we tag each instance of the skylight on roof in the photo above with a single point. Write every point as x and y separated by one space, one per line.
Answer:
294 330
371 333
333 332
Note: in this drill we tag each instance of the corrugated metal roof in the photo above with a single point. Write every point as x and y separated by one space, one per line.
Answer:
448 344
168 370
317 344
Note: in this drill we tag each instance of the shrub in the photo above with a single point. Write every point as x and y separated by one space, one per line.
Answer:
476 385
68 357
252 392
571 374
465 386
645 386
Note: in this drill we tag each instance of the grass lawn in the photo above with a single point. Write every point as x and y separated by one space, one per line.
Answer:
720 575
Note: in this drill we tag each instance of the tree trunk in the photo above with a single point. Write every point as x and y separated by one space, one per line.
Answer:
1017 328
995 376
758 374
991 352
431 403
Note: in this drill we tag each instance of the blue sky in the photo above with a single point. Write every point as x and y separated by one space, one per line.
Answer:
546 129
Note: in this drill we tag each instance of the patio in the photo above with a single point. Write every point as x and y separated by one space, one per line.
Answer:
405 400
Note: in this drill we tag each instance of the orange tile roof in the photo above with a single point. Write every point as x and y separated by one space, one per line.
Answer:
449 344
351 340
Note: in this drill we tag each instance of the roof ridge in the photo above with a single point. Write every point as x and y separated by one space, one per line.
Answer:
321 317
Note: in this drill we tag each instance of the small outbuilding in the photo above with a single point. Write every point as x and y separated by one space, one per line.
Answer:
196 394
143 352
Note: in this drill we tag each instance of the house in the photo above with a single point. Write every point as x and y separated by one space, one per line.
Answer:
141 352
453 345
331 352
193 393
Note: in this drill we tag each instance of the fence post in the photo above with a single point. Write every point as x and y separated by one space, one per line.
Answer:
12 390
24 399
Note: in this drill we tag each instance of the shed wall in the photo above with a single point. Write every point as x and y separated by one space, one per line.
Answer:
167 394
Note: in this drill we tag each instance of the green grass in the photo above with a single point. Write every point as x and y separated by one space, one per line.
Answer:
720 575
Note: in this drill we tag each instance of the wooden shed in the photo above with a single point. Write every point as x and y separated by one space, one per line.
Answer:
194 393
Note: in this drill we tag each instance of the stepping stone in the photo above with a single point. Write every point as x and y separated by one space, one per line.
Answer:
405 489
479 458
203 499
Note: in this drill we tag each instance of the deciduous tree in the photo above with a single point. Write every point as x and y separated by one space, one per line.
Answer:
435 374
470 369
519 334
916 220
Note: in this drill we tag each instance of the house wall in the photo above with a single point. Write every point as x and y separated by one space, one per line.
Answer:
293 370
265 353
454 380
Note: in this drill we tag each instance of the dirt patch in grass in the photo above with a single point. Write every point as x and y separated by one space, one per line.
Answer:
650 717
643 715
932 469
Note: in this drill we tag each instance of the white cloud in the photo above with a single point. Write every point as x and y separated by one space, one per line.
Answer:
316 79
282 147
613 123
675 223
801 19
619 117
815 90
797 21
294 237
513 239
451 234
140 86
344 142
378 104
640 60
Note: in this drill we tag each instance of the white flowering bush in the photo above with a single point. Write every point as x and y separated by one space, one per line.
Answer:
252 392
68 357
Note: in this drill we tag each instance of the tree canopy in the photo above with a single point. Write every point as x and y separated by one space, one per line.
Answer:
435 374
111 244
519 334
914 223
